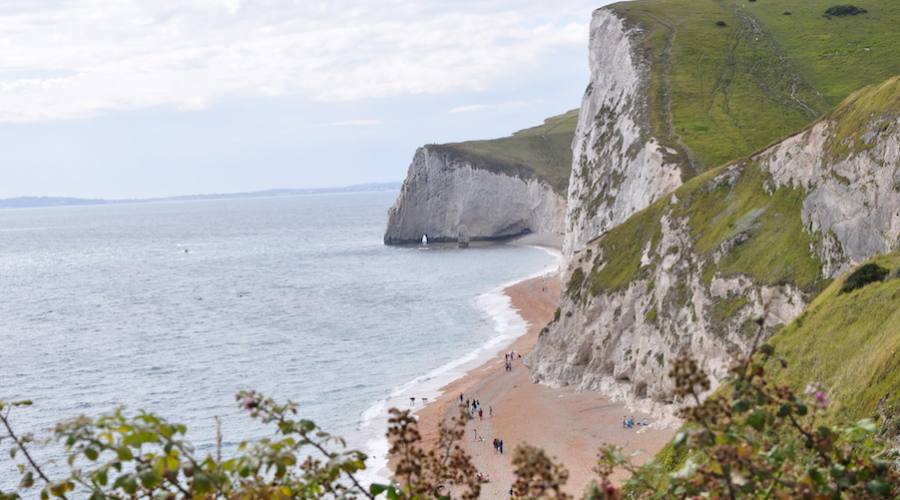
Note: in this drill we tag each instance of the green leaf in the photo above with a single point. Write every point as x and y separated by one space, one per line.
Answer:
784 410
201 483
878 487
868 425
377 489
392 494
757 420
130 484
101 477
138 438
124 453
740 406
91 453
680 439
27 480
815 475
149 479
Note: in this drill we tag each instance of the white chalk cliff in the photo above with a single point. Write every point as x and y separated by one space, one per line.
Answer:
845 189
618 167
830 194
446 194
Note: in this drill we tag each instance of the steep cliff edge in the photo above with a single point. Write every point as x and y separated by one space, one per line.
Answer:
755 238
485 190
681 86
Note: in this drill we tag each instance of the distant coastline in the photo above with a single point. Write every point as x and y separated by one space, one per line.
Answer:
62 201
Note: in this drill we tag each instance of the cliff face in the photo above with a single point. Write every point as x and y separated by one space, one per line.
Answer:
619 166
446 194
664 253
756 238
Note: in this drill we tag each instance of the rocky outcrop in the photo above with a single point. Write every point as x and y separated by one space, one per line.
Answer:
850 170
446 194
619 166
753 240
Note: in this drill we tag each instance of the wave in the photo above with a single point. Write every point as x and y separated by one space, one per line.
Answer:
508 325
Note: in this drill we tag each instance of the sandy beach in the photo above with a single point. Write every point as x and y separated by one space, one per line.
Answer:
568 425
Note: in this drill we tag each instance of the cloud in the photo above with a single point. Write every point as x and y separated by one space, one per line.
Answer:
500 105
76 59
355 123
467 109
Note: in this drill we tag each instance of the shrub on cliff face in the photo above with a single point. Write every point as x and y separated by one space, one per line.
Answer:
866 274
844 10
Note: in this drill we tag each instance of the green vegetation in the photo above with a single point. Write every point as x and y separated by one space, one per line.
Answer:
867 110
573 288
866 274
619 261
757 429
723 206
757 439
844 10
732 208
846 345
726 91
850 344
726 308
544 151
766 231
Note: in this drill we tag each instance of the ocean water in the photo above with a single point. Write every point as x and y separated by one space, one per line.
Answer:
100 306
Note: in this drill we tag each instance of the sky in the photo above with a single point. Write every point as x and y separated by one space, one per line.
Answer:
127 99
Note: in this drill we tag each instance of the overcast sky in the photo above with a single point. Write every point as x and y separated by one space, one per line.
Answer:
117 98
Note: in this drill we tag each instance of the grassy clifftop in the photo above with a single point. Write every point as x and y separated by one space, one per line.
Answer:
730 76
544 151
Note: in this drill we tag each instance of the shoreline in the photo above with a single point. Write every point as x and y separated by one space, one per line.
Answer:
508 325
570 426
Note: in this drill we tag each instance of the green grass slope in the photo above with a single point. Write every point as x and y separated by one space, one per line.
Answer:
774 250
850 343
775 66
544 151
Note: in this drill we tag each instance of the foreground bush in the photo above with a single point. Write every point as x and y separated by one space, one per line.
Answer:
751 439
757 439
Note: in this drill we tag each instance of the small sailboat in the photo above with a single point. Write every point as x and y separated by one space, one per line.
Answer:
424 245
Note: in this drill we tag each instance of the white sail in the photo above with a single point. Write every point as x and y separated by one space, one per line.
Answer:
424 239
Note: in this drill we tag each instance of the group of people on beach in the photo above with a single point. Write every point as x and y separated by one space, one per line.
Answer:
631 423
510 356
498 445
473 407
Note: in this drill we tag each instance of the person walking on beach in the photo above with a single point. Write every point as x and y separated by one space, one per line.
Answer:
491 411
480 414
460 398
500 445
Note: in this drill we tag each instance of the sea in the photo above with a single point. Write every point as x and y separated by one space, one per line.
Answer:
173 307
